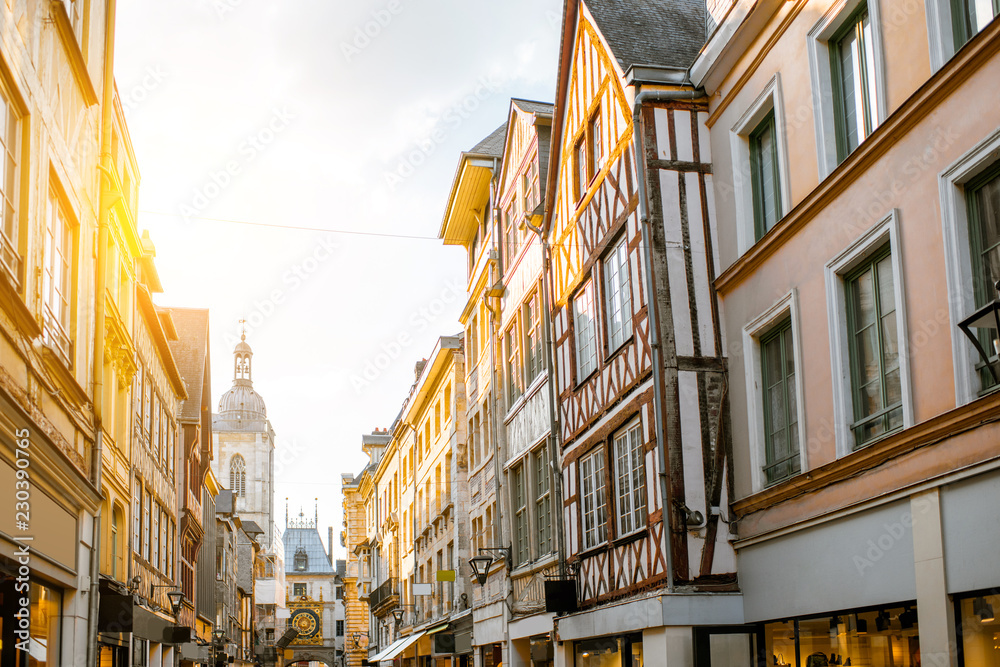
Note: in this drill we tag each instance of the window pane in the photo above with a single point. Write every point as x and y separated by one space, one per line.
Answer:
875 351
780 416
618 303
846 51
585 332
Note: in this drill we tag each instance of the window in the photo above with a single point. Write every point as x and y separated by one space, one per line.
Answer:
585 332
117 571
512 351
630 480
869 346
301 560
154 554
298 590
340 627
530 187
520 501
852 62
580 168
764 177
147 402
983 202
781 424
757 145
596 141
543 505
10 145
238 475
872 338
594 511
147 511
969 17
137 517
472 335
57 276
617 295
533 359
512 237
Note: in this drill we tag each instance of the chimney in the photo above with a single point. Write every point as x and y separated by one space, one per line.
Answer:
418 369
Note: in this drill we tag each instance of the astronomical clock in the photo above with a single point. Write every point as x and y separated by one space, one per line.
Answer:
308 620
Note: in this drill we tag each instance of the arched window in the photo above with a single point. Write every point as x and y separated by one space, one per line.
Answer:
301 560
238 475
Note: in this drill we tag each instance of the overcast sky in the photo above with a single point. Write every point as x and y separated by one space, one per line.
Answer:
331 114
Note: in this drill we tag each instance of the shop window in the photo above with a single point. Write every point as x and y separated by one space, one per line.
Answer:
979 630
610 652
881 637
46 614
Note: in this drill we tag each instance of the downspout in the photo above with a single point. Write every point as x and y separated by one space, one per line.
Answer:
654 329
106 200
105 203
555 459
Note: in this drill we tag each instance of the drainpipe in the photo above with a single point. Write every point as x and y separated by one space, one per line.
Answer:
105 202
654 329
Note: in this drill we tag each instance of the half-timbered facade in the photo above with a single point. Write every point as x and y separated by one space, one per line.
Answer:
640 366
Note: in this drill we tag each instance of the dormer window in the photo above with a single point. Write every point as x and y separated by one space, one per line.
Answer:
301 560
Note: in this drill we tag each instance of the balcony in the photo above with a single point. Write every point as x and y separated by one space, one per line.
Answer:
388 590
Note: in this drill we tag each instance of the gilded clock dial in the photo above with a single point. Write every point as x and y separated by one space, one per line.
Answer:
306 622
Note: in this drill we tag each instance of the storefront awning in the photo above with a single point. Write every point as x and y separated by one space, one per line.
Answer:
398 647
395 648
437 628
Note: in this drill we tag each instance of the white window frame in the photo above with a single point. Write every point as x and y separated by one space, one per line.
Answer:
770 99
600 510
637 493
787 307
958 258
887 230
586 291
617 287
824 113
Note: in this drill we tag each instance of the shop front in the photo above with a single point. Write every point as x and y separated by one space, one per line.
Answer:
42 617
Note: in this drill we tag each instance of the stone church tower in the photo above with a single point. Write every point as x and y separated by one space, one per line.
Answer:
243 441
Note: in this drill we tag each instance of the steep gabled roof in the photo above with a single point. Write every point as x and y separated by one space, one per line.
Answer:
190 352
665 33
493 144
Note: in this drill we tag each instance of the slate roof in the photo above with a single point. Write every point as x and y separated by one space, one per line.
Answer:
309 540
493 144
668 33
189 353
531 106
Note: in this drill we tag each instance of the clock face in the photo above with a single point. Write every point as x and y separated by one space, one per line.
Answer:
306 622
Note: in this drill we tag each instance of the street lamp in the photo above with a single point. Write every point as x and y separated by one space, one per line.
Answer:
987 317
176 598
481 564
175 595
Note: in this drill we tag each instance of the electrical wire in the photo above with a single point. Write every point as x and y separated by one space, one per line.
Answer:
295 227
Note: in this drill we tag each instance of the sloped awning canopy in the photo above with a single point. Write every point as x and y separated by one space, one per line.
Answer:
396 647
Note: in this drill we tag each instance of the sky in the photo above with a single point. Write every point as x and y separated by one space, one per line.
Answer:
328 115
